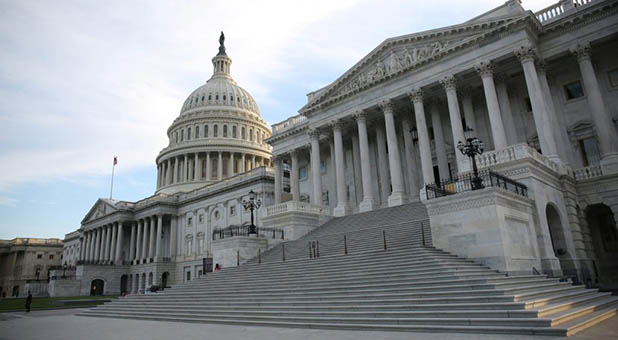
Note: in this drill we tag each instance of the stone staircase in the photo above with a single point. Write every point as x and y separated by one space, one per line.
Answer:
406 287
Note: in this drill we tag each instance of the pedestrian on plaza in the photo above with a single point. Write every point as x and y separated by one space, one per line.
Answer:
28 302
217 268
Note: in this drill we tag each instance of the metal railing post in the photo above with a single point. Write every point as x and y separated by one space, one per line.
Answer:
259 255
309 248
345 245
237 258
422 234
283 251
317 246
384 238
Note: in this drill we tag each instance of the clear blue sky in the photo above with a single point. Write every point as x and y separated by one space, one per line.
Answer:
83 81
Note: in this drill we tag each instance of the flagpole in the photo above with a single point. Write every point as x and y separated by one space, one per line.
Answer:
111 190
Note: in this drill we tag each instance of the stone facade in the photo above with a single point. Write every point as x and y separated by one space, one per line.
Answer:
26 262
540 89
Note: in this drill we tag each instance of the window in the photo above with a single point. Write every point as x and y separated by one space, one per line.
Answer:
302 173
224 130
209 97
176 136
197 132
322 167
188 133
182 135
201 218
51 257
189 276
215 130
232 210
216 97
223 97
189 221
202 98
205 130
589 151
573 90
234 131
243 135
251 135
39 256
613 77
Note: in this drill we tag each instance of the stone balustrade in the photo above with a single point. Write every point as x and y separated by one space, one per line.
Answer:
588 172
518 152
553 11
293 206
288 123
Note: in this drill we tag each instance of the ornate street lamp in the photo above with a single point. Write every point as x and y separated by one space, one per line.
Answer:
414 133
64 270
252 204
471 148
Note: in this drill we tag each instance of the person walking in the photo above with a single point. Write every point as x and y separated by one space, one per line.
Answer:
28 302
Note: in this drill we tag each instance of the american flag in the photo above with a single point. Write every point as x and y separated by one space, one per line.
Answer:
115 160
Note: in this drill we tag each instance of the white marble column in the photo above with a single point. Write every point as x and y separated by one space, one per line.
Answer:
220 166
138 240
97 245
342 207
398 195
176 169
104 244
382 166
601 117
85 249
368 203
278 179
152 236
316 197
184 177
168 172
423 136
542 119
132 241
505 108
252 162
174 233
115 245
410 154
146 222
439 142
91 235
333 172
230 169
243 168
449 84
119 241
197 169
208 167
294 182
159 234
486 71
358 178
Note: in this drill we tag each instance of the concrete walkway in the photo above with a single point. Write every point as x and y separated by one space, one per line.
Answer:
64 324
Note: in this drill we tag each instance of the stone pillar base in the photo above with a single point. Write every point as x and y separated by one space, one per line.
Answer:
368 204
341 209
397 198
609 163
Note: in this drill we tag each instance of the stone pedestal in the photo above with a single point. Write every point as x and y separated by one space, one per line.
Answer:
227 252
490 226
294 218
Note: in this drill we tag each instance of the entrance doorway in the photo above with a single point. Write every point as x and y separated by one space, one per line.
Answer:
602 226
164 279
96 287
123 284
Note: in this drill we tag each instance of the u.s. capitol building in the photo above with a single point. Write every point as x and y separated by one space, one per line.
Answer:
539 89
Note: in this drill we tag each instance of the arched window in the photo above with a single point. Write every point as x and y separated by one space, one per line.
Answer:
224 97
182 135
176 133
188 133
197 132
263 136
209 97
234 131
205 130
224 130
202 98
258 135
243 135
215 131
251 135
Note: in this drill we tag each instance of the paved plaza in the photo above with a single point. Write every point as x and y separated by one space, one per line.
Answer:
64 324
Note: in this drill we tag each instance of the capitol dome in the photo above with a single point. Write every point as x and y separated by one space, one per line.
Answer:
218 134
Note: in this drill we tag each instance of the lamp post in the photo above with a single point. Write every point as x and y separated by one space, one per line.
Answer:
414 133
471 148
64 270
252 204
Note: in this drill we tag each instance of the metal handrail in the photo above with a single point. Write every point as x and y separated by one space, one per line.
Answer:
464 183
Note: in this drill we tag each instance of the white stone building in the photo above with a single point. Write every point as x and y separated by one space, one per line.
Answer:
540 89
216 155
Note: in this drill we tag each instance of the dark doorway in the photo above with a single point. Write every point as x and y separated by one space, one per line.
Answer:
15 291
96 287
123 285
602 226
164 279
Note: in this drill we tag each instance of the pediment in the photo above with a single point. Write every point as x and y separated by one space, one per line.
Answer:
99 209
400 55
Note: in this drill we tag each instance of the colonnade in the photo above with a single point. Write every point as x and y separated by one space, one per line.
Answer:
104 244
391 181
206 166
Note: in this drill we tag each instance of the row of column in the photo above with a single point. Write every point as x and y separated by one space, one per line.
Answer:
192 167
391 181
102 244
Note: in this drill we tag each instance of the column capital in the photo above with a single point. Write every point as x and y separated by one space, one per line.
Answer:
416 95
336 125
525 53
485 69
387 106
449 83
313 133
360 115
581 51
